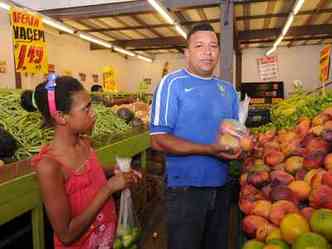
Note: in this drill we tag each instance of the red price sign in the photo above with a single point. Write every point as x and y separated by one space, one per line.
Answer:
29 54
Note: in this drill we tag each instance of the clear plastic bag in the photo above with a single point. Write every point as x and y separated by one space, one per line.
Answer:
243 110
233 127
234 136
128 231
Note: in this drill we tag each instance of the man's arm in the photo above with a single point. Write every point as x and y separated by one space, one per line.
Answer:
171 144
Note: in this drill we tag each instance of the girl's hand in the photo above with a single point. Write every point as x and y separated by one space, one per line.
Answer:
122 180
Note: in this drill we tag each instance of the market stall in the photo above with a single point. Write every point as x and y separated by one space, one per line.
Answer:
284 196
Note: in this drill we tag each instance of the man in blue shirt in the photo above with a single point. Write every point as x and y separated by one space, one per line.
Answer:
187 109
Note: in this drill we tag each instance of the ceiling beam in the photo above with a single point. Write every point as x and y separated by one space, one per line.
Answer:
112 36
179 48
328 20
141 22
127 8
202 14
284 14
246 13
243 36
289 39
269 9
293 31
135 7
214 20
152 42
184 23
312 18
102 23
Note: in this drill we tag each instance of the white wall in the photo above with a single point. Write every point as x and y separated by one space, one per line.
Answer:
7 80
295 63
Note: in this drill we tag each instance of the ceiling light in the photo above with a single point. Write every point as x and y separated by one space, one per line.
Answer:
162 11
144 58
278 41
57 25
271 50
95 40
298 6
4 6
181 31
123 51
287 25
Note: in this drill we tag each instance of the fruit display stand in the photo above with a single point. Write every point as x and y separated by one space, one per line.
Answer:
285 194
19 189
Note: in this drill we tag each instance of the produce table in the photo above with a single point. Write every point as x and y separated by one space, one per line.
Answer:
19 189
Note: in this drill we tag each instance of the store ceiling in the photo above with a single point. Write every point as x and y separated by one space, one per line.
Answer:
136 26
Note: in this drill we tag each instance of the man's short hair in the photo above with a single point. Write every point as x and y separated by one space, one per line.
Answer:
205 26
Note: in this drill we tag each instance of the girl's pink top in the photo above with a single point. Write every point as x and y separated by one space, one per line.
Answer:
81 189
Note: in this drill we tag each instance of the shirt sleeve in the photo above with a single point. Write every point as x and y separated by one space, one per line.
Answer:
164 109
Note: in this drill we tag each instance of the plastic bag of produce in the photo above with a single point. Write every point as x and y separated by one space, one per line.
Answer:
243 110
128 231
234 136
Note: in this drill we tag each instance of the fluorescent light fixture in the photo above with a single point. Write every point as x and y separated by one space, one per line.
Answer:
162 11
298 5
271 50
144 58
296 8
123 51
288 24
278 41
181 31
57 25
4 6
95 40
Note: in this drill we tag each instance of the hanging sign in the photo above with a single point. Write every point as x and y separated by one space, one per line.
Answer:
268 68
325 54
29 42
109 83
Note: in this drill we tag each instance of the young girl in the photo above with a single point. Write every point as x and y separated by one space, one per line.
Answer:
76 194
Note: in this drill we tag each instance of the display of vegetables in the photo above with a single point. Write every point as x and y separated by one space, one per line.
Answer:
286 179
26 128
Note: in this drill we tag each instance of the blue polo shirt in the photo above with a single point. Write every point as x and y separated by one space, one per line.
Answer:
191 107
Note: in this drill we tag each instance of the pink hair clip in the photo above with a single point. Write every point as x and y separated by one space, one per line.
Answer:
50 87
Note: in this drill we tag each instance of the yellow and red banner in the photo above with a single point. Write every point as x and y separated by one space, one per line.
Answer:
325 63
29 42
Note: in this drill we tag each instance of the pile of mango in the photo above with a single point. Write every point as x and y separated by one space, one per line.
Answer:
286 183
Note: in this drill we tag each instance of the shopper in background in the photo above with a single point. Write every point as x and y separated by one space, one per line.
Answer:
96 88
76 194
187 109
